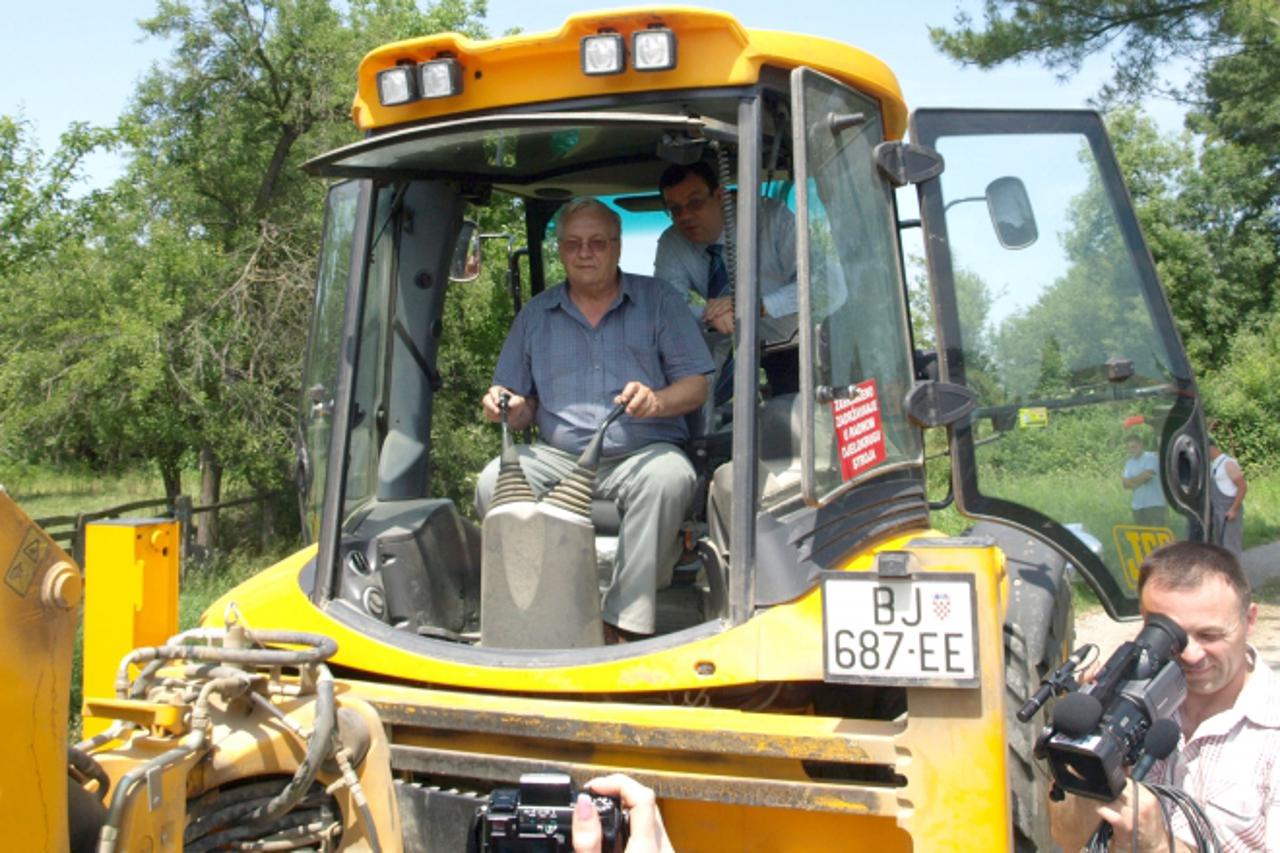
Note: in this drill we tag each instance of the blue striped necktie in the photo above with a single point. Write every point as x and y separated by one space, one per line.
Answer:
717 275
717 284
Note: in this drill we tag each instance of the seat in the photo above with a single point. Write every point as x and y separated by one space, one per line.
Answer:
778 430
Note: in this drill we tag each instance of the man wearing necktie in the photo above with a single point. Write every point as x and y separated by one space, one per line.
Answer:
690 255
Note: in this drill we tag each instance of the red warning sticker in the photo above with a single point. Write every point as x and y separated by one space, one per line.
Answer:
859 435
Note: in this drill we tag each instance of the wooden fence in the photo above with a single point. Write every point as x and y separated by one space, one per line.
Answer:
68 530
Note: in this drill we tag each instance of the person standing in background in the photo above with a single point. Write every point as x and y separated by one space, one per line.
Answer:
1227 488
1142 477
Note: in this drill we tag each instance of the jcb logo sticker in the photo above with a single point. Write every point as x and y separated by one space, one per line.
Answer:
1134 543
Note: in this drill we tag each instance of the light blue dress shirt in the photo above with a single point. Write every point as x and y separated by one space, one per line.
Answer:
1150 493
685 264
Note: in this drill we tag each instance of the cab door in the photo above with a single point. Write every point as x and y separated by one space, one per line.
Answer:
1088 430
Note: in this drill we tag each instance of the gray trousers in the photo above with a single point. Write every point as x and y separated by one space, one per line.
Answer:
652 487
1228 534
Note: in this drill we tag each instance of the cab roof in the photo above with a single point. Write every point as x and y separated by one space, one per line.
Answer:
713 50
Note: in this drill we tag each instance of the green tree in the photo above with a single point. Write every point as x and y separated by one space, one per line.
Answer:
172 328
1215 233
1244 396
254 89
38 208
1143 35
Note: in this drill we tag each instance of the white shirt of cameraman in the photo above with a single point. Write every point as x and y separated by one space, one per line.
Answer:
1231 766
1229 751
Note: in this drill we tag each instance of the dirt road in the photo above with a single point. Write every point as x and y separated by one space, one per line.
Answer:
1096 626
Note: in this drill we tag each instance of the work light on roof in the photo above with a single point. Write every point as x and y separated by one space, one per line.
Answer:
397 86
653 49
440 78
603 53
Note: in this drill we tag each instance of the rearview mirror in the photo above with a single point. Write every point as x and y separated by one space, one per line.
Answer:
1011 214
466 254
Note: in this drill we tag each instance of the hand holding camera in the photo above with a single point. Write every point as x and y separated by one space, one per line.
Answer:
611 814
644 821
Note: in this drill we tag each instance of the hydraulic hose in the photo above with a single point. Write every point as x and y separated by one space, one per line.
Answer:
352 781
319 747
117 732
319 649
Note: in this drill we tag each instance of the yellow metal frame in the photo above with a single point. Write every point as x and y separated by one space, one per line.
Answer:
727 779
131 597
714 50
39 603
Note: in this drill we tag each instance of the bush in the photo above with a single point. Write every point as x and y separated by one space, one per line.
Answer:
1243 398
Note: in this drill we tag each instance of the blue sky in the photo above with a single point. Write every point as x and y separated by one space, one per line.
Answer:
102 55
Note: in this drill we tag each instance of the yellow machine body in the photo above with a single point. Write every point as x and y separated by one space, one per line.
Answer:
39 607
739 724
538 67
245 745
727 779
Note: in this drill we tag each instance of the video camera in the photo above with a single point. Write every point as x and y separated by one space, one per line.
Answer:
1101 728
538 816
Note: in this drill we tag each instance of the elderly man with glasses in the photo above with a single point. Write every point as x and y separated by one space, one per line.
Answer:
690 255
576 350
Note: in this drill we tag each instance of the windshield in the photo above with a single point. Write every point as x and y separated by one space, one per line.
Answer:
321 373
416 544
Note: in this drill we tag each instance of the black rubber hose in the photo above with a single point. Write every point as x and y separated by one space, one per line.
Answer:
86 765
319 747
319 649
233 813
316 821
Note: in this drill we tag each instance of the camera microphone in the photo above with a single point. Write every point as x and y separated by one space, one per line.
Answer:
1076 714
1058 681
1161 740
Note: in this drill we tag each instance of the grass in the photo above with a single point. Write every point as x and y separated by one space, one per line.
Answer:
1083 598
1099 502
1262 508
42 491
201 587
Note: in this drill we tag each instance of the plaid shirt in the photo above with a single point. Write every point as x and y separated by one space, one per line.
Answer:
575 370
1231 766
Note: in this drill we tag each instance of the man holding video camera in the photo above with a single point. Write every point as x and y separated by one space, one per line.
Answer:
1228 754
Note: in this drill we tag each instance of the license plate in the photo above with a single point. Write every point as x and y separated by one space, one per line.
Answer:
919 630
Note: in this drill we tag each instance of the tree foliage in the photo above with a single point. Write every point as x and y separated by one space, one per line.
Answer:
1245 398
165 318
37 208
1209 203
1144 35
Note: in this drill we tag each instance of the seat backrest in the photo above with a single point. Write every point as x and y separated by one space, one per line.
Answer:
779 427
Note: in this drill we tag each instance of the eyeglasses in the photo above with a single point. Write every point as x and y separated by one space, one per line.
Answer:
693 205
573 245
